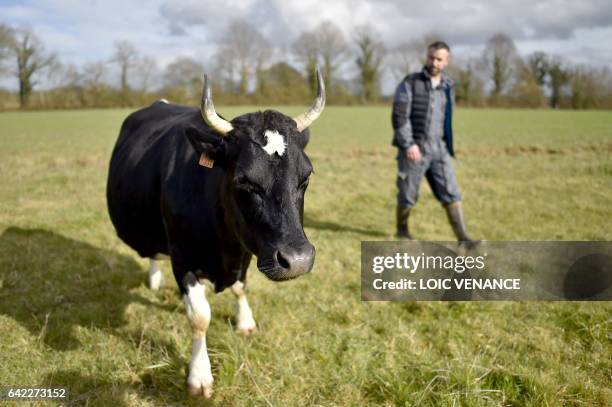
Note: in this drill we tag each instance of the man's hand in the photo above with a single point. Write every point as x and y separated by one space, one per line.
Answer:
413 153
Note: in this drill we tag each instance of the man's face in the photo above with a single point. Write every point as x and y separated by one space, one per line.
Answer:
437 60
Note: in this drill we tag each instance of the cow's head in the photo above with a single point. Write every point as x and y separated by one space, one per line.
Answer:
266 176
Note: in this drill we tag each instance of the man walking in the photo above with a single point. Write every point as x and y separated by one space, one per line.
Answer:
422 124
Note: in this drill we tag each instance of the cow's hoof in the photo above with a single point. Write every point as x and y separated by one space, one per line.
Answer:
200 384
200 390
246 330
246 325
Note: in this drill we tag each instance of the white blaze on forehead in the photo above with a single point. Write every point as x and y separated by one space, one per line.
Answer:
164 101
276 142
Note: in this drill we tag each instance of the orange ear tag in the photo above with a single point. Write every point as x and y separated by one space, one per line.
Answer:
206 161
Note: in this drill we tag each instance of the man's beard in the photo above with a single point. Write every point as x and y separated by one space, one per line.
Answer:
433 71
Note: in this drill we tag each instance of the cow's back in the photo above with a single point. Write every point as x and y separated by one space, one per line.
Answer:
135 172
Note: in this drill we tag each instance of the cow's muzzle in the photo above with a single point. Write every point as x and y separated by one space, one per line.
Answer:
288 262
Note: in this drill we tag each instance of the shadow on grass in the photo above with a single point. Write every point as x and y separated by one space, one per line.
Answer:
164 385
52 284
309 222
83 389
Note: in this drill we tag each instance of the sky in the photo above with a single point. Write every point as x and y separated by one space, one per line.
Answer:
82 31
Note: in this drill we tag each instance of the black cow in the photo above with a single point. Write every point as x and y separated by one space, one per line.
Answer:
209 193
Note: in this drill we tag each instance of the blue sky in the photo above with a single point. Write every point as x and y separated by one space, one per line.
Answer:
85 31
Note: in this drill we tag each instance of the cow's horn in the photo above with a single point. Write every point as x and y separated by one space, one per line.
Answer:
211 118
305 119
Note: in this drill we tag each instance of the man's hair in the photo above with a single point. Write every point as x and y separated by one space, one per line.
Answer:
438 45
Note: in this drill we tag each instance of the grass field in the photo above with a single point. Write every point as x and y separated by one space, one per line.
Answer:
75 309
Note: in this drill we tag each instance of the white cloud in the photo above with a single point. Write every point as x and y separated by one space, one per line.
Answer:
85 31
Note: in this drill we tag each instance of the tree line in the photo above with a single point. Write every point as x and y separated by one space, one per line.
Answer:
248 69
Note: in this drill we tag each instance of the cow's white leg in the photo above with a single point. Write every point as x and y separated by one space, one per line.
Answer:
200 379
155 275
245 323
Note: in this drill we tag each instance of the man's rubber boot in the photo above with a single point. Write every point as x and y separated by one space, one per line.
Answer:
402 215
454 211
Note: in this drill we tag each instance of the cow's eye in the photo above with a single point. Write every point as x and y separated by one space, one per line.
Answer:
246 184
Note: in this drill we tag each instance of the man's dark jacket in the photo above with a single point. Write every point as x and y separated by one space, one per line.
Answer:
411 110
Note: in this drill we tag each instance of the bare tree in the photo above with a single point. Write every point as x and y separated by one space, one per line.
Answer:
410 56
147 70
324 46
371 52
243 46
469 88
93 74
537 63
405 58
67 75
183 80
499 61
526 92
306 49
31 61
333 50
7 43
65 90
558 77
93 79
224 72
549 70
583 85
125 56
184 71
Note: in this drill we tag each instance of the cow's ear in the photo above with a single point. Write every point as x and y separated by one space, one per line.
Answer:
303 138
209 146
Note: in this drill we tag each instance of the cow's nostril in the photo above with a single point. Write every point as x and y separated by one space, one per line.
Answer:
282 261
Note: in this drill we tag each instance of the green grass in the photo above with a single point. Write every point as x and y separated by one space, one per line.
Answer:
75 309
